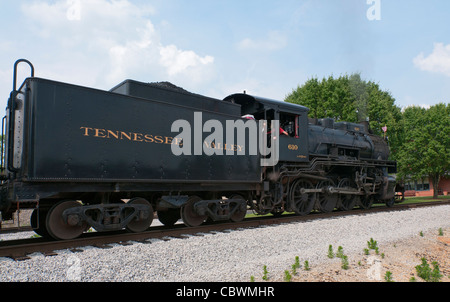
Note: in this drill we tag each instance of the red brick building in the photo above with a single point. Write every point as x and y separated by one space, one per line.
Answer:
424 187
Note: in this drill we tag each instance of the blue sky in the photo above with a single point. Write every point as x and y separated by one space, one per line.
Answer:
220 47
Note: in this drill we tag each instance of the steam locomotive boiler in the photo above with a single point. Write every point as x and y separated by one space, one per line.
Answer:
83 157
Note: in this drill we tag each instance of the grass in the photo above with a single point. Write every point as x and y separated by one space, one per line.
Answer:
426 199
406 201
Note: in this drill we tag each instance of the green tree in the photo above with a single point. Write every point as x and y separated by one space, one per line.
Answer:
425 151
327 98
351 99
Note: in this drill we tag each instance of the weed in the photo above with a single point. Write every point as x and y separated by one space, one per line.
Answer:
252 278
287 276
306 265
372 244
265 277
436 273
340 252
425 272
330 252
388 277
344 264
296 265
441 232
294 269
297 262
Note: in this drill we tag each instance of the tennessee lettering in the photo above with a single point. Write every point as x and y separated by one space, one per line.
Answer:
129 136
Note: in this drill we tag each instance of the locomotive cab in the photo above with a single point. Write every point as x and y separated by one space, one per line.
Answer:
293 119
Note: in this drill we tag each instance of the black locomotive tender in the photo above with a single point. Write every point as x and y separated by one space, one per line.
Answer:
83 157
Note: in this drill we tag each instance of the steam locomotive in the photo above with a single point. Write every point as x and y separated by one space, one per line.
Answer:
83 157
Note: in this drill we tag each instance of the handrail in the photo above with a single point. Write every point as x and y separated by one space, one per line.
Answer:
12 116
15 71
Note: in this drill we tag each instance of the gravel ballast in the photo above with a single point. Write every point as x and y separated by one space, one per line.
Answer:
223 257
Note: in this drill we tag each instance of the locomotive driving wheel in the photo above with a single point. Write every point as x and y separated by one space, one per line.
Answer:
60 229
188 214
326 202
366 201
302 202
347 201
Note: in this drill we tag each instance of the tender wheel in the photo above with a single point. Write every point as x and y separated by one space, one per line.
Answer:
301 202
188 214
38 222
239 215
60 229
326 202
346 201
144 219
169 217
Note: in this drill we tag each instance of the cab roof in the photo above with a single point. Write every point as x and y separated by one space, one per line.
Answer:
246 100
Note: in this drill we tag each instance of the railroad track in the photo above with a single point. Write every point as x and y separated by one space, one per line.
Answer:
20 249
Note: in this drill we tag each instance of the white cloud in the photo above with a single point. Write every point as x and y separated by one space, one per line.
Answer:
110 39
438 61
178 61
275 40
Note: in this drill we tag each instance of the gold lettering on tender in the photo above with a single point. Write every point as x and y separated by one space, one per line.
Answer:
176 141
100 133
179 141
149 138
127 135
86 130
213 145
137 137
113 133
169 140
